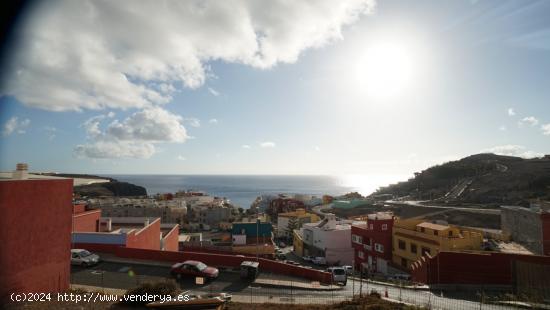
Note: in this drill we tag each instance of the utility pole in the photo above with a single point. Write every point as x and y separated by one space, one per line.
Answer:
257 234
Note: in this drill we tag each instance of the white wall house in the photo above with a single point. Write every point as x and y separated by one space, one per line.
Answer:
329 238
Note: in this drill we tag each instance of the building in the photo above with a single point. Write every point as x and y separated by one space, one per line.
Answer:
212 215
85 220
169 211
289 221
130 232
413 239
282 205
253 238
372 242
484 270
298 242
529 227
35 229
328 238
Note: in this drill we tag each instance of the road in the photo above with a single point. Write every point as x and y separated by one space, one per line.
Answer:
126 276
419 204
319 209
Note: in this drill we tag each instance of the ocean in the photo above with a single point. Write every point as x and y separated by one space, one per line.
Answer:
242 190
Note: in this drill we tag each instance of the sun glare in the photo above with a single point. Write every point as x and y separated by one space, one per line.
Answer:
386 69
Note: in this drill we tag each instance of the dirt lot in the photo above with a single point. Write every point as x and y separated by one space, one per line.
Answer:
455 217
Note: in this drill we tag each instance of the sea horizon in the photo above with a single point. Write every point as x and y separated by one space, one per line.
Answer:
242 189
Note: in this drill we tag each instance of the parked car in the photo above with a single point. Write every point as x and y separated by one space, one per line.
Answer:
319 260
83 258
338 275
348 269
194 268
282 244
280 256
308 258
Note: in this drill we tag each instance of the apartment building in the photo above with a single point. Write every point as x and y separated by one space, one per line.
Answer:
35 229
372 241
288 221
413 239
328 238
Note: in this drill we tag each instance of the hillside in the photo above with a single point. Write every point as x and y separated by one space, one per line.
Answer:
481 178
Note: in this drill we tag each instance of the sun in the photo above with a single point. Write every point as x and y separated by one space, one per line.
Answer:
386 69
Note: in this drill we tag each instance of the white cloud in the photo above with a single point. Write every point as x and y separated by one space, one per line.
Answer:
115 149
502 128
267 144
511 112
530 120
112 54
245 146
134 137
180 157
15 125
512 150
545 129
192 121
213 91
213 121
111 114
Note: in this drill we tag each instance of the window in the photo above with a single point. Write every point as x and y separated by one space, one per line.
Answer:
360 254
413 248
403 262
450 233
425 251
356 239
371 226
422 229
379 248
384 226
402 245
436 232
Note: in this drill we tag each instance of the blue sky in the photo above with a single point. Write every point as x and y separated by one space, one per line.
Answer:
378 89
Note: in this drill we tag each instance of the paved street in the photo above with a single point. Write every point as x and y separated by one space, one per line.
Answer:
125 276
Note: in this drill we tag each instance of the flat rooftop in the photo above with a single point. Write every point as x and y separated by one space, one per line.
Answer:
433 226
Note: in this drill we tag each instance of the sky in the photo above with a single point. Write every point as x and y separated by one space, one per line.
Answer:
355 87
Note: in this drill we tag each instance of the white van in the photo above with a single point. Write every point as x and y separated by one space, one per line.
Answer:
338 275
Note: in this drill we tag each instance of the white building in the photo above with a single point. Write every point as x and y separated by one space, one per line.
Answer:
329 238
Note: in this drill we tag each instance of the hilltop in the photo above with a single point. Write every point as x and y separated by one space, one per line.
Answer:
479 179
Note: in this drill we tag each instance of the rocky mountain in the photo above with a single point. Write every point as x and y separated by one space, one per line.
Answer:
112 188
481 178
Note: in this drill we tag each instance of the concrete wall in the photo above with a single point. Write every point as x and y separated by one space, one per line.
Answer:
146 238
35 230
171 239
227 261
523 226
86 221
